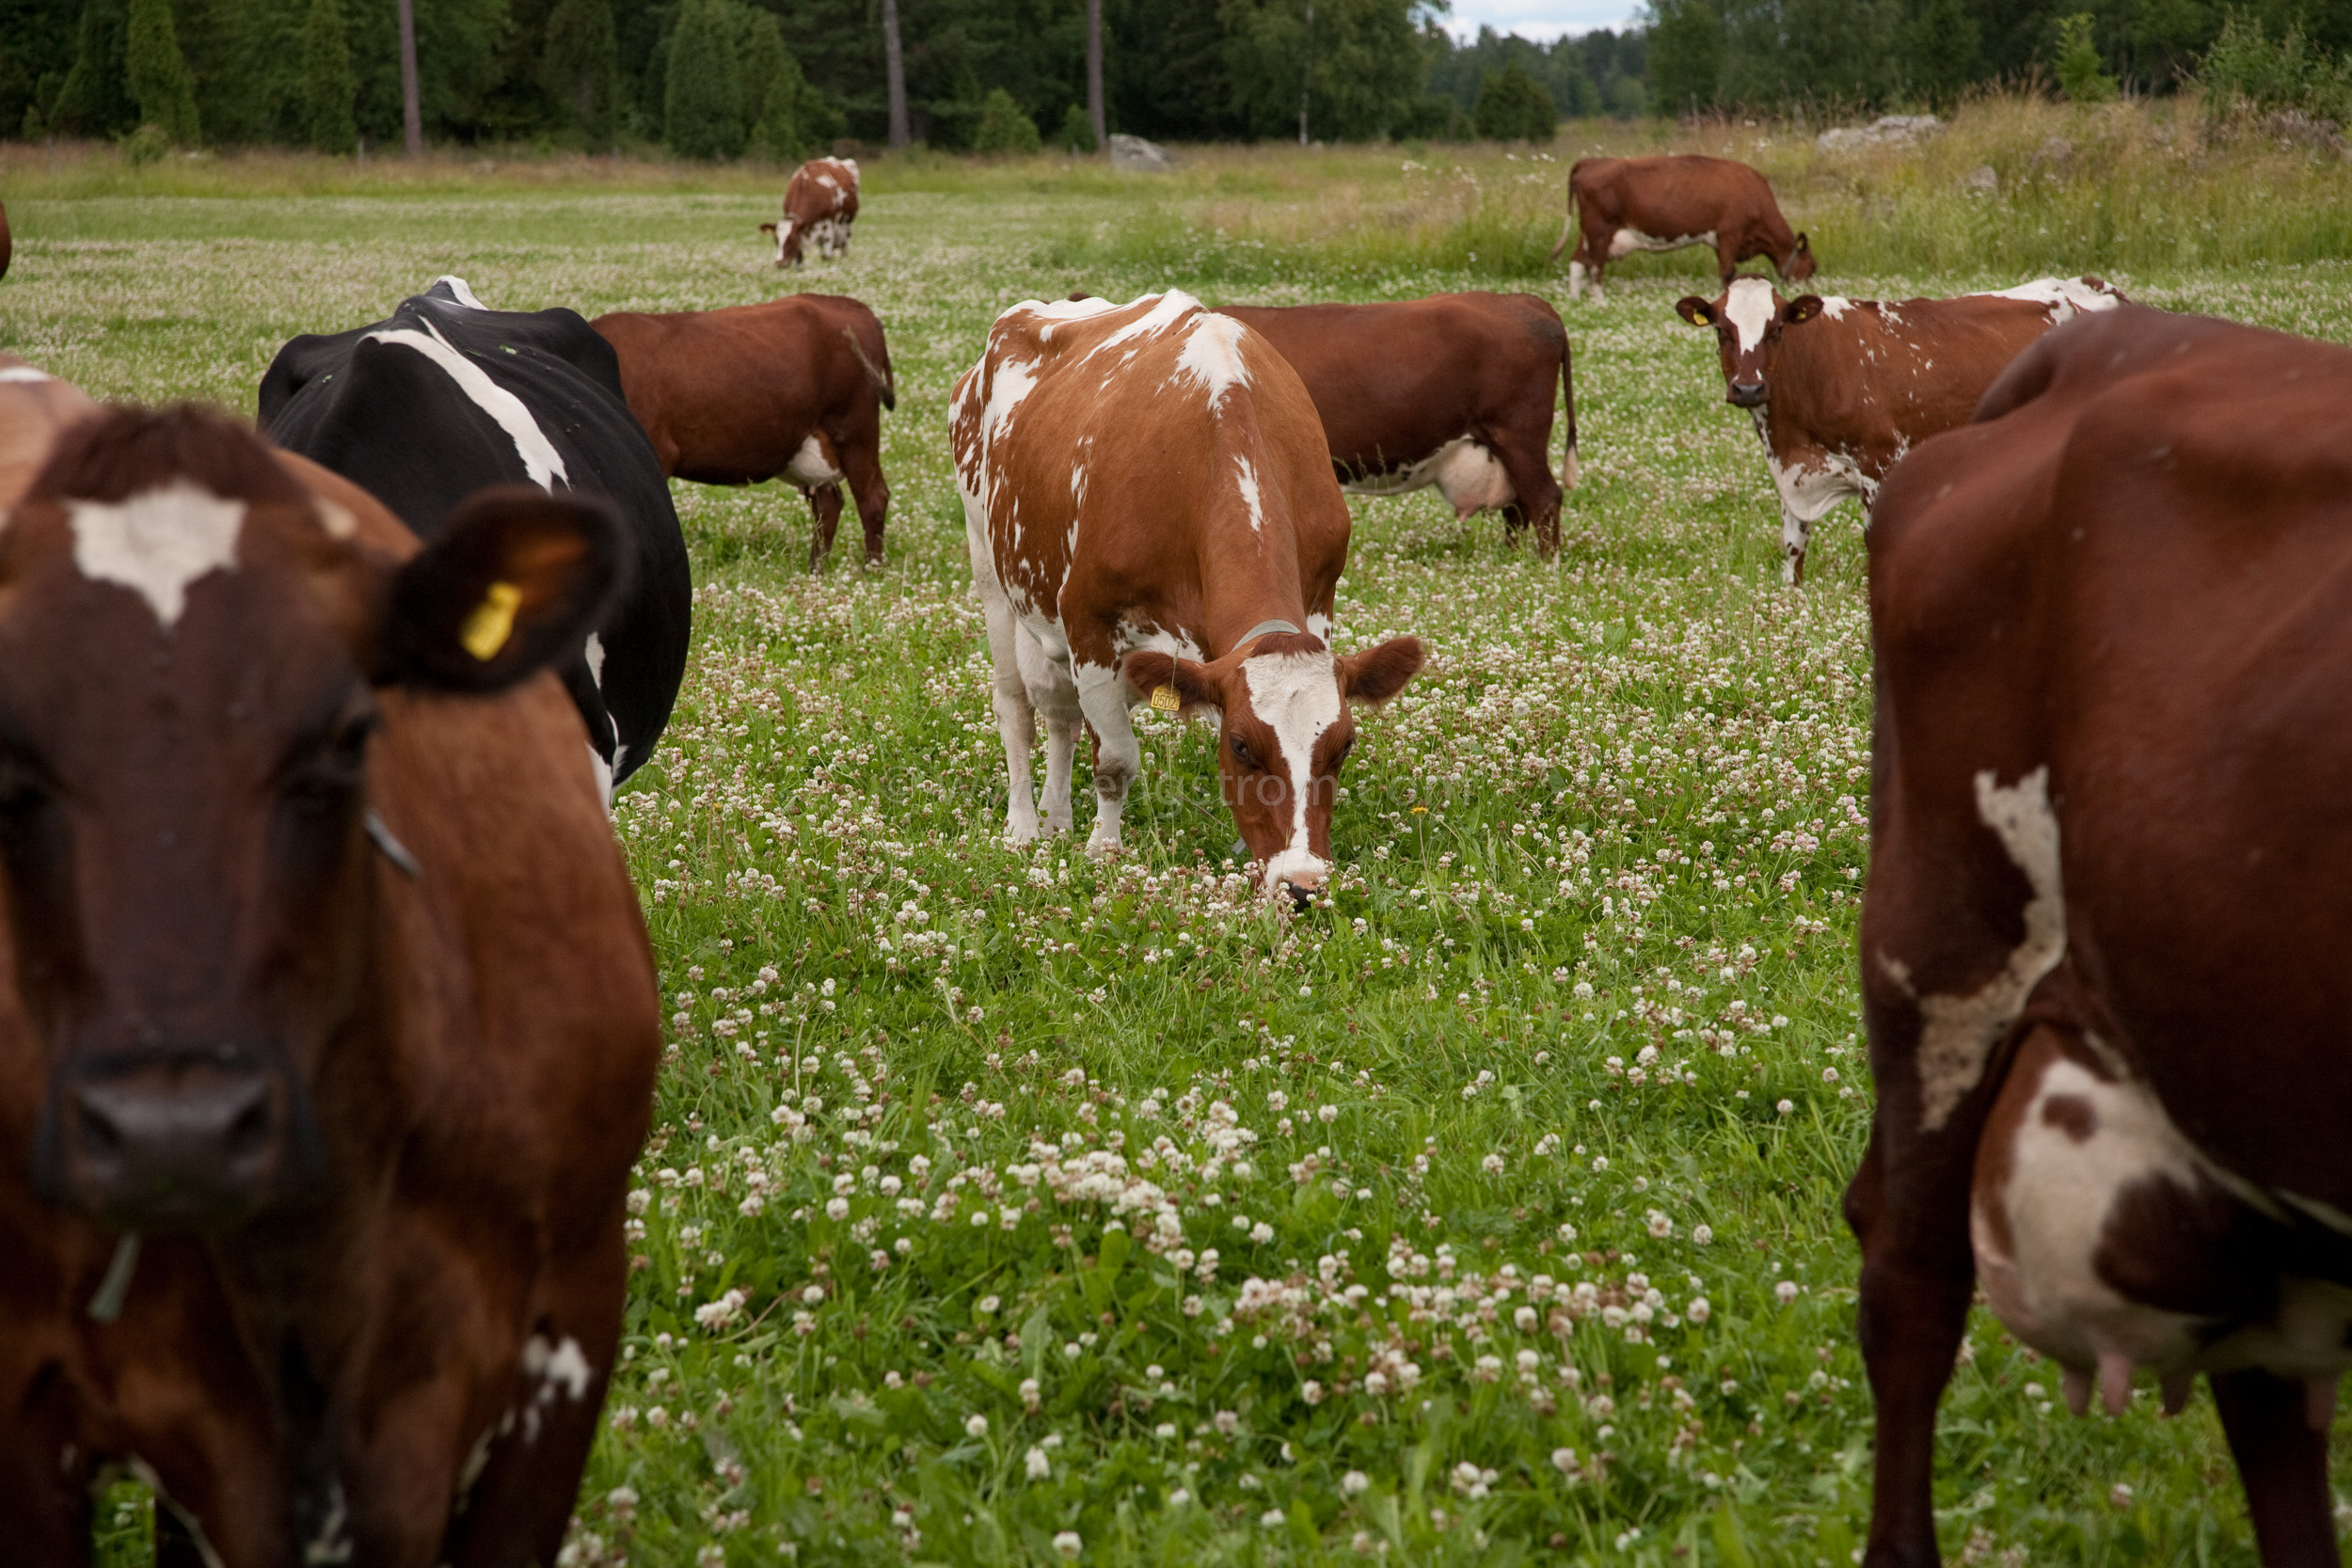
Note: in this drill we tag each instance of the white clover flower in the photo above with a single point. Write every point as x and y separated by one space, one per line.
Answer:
837 1208
1067 1545
1786 1107
1702 1234
1312 1391
976 1426
1274 1518
987 1305
1179 1497
1564 1461
1038 1466
1698 1311
1491 1164
1355 1484
1786 1291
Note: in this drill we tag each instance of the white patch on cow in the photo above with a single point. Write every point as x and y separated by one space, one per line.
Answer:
1166 311
1469 475
1577 275
1297 697
23 373
594 652
158 542
784 236
1836 305
1211 354
562 1366
1246 478
337 520
145 1473
809 467
1957 1033
541 461
2066 296
459 291
1627 241
602 771
332 1544
1810 485
1748 305
477 1461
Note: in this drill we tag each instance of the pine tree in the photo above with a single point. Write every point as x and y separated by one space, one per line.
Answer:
582 68
91 101
773 85
1941 51
1077 130
1513 106
158 74
327 84
702 108
1003 127
2081 72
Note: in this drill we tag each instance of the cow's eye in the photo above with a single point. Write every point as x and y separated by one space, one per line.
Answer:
1339 759
1241 754
335 769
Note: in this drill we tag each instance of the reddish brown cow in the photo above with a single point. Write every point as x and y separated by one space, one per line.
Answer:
2102 939
1622 205
1455 390
1841 389
792 387
820 205
1150 510
328 1023
34 406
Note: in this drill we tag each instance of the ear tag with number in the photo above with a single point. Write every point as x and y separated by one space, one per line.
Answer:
1163 699
489 624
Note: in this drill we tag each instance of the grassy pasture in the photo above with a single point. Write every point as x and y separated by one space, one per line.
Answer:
1012 1208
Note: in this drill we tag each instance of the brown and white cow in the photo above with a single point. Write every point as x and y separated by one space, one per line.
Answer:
1841 389
794 388
1455 390
2101 942
820 205
1617 206
327 1020
1151 512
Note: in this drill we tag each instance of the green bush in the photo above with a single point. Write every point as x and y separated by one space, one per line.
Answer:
146 145
1077 130
157 72
581 67
2246 67
1003 127
703 100
326 83
1514 106
2081 72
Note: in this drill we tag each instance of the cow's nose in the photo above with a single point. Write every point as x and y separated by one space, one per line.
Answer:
175 1144
1746 394
1302 894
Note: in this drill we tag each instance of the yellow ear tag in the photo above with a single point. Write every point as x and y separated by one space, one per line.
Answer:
1165 700
491 622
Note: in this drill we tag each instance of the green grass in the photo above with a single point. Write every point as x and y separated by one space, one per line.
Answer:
1577 1043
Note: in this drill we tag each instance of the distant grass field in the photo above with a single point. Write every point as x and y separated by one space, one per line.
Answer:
1010 1208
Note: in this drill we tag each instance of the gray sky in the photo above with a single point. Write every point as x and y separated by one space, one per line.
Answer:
1541 20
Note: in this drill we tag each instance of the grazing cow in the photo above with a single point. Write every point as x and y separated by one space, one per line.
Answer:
327 1020
1151 511
820 205
1455 390
1617 206
34 406
2101 940
795 387
1839 401
445 397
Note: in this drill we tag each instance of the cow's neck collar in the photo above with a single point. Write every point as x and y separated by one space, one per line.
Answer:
1263 628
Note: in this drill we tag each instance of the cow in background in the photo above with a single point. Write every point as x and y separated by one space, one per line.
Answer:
1841 389
1617 206
820 205
794 388
327 1020
2102 941
447 397
1151 511
1455 390
33 408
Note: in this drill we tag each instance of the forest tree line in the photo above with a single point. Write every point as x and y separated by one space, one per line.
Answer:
779 78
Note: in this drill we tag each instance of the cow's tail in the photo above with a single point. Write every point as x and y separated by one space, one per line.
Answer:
1567 402
1567 226
878 375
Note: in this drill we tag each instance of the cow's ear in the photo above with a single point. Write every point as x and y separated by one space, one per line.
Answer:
1168 682
1803 309
1804 246
1373 675
769 229
1698 312
515 580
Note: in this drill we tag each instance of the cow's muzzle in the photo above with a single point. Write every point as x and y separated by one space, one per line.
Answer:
1745 394
187 1139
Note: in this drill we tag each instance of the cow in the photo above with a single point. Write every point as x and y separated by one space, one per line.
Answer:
820 205
2099 940
1617 206
1841 389
7 246
445 397
329 1023
794 388
1151 512
33 408
1454 390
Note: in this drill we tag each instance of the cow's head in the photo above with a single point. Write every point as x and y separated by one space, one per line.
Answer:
191 648
787 237
1748 321
1799 263
1281 704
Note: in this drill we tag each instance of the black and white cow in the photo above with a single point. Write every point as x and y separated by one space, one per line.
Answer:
446 397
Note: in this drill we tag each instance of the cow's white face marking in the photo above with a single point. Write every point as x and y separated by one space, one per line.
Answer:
157 542
541 461
458 290
1211 354
22 373
1627 241
1297 697
1748 305
1957 1033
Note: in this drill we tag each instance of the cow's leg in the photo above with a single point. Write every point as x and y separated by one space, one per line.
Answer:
1535 492
1102 696
824 506
1796 533
1061 749
2283 1461
861 462
1016 721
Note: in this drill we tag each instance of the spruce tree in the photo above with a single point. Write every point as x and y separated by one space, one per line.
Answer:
582 68
326 83
1003 127
703 99
1514 106
91 101
773 85
158 74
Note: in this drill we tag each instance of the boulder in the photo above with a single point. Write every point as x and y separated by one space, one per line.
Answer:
1888 130
1135 152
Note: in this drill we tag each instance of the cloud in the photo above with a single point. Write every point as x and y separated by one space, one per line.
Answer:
1540 20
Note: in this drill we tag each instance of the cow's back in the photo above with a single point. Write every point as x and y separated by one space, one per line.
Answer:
1672 195
1887 375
